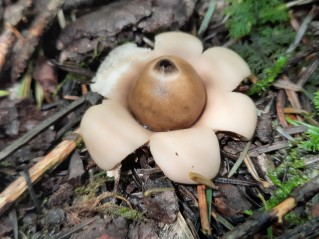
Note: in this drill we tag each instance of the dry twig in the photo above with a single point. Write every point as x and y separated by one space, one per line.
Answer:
203 210
49 162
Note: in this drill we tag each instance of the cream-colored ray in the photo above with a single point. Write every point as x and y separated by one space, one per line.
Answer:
118 70
222 68
180 152
229 111
179 44
110 133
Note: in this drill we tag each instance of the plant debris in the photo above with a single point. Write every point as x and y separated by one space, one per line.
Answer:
50 187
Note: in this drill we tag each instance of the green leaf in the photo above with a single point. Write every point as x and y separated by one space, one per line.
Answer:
316 100
4 93
25 84
209 198
207 18
39 94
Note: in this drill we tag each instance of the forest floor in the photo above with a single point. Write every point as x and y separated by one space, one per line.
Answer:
51 188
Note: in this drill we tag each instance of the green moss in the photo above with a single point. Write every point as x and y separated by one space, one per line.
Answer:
246 15
291 169
311 141
268 75
125 212
296 219
93 186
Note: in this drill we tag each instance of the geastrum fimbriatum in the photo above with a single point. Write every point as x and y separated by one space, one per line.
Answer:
173 98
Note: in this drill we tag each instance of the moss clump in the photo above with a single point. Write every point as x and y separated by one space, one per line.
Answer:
290 169
125 212
93 186
247 15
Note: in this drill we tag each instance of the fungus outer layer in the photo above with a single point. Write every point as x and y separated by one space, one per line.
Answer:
111 133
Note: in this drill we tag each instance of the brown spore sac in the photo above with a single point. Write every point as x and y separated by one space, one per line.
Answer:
167 95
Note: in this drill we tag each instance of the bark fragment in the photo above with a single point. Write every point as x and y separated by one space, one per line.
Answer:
24 49
119 22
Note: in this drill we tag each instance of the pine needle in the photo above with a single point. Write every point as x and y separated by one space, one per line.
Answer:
239 160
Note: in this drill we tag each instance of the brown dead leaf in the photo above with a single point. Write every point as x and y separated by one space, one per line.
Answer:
160 201
264 130
45 74
231 202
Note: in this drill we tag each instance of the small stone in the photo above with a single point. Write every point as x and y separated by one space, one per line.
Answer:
55 217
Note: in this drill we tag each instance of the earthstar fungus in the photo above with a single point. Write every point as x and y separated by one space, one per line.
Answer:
174 98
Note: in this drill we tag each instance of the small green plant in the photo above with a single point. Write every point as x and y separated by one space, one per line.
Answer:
246 15
293 165
264 36
309 141
268 76
316 100
205 23
4 93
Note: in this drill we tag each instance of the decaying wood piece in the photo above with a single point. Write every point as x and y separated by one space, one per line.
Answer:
12 15
309 230
24 49
280 102
15 12
49 162
108 21
75 4
299 196
6 41
118 22
81 37
203 210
